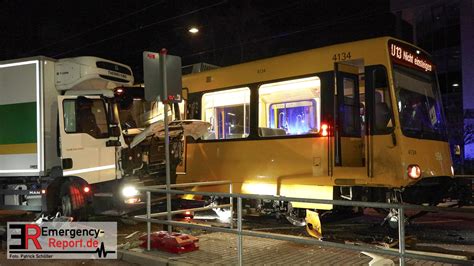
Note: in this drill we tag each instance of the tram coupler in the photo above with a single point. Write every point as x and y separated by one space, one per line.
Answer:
313 224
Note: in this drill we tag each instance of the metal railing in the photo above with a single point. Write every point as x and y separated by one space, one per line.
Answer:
168 213
401 252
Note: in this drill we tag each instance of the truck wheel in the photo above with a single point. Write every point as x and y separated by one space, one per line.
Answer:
73 202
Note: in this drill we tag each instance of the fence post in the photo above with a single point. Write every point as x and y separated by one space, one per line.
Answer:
239 229
231 207
401 235
148 216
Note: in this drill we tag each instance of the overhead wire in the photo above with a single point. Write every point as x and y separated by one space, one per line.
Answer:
264 16
276 36
109 22
141 28
285 34
311 27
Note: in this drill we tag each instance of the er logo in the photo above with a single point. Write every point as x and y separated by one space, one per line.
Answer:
27 232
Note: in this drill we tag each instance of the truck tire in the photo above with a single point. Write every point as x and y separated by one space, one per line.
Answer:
72 202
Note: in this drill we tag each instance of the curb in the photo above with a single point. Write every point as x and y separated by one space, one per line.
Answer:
146 258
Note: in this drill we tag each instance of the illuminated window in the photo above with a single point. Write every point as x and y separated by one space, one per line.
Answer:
290 107
228 112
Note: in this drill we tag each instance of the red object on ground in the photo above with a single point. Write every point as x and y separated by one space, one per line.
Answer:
171 242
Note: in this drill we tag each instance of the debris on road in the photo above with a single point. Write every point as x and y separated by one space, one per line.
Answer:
53 218
171 242
132 234
378 260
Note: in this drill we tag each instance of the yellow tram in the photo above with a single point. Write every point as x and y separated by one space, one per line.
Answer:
357 121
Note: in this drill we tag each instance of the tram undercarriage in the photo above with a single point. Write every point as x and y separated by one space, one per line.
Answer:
428 192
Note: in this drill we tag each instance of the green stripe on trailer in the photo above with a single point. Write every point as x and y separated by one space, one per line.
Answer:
18 123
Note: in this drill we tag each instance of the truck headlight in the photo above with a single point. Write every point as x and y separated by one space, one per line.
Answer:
129 191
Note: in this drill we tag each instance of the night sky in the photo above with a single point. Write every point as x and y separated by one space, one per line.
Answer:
230 31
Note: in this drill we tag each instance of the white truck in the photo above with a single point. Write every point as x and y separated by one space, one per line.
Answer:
62 144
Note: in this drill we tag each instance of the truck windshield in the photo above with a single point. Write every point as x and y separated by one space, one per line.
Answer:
419 104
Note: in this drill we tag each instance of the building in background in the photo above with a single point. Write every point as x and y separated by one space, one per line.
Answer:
445 28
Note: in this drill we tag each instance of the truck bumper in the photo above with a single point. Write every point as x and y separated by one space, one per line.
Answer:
23 199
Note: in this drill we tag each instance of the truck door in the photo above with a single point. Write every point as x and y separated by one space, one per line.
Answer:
84 132
349 146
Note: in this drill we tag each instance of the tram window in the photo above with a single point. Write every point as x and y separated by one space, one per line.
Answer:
382 104
228 112
351 112
290 107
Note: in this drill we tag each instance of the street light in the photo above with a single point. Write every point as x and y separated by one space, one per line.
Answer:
193 30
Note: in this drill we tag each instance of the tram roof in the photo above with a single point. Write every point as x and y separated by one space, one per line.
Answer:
372 51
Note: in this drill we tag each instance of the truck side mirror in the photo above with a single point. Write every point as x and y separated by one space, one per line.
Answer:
113 143
114 130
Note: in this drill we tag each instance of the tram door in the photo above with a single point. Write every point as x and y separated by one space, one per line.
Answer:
349 135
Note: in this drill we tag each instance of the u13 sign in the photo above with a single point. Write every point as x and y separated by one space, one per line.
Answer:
409 56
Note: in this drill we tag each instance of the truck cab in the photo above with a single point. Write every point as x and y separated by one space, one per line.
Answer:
61 137
89 130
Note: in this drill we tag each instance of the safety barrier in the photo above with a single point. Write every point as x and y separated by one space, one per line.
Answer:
401 253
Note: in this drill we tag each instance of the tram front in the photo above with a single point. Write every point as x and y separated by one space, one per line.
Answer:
427 172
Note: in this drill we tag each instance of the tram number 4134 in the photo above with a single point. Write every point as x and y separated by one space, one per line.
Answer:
341 56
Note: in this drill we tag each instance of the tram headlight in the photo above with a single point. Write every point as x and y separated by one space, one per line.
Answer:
414 171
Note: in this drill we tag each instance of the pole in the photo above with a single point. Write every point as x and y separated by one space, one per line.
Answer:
167 136
168 179
148 216
231 218
401 235
239 229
